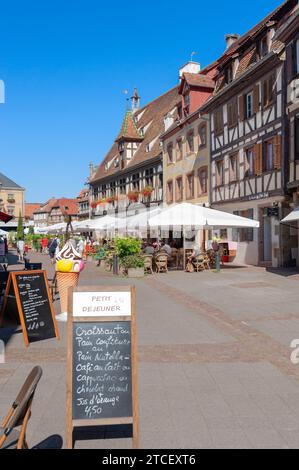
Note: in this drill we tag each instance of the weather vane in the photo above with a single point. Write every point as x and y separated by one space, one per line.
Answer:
126 92
192 54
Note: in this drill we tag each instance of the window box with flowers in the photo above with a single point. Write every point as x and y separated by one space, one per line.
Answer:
133 196
147 191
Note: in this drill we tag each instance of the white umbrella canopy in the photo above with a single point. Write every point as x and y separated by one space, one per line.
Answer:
292 217
3 233
95 224
192 215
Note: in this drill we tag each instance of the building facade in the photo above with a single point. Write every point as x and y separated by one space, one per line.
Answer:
12 197
132 171
55 211
248 161
186 146
288 33
83 204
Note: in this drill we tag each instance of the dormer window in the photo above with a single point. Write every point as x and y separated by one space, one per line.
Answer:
264 47
229 74
186 103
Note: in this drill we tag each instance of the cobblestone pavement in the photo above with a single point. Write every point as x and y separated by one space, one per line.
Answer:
214 362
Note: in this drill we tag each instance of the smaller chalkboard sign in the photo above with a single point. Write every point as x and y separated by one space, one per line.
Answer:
101 359
27 301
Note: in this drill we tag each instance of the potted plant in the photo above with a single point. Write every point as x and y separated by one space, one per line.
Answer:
133 265
128 250
93 204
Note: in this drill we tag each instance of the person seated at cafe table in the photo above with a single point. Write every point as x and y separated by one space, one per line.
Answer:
195 252
165 247
149 249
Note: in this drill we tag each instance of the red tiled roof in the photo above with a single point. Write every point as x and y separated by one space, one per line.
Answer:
30 208
198 80
62 203
257 28
150 118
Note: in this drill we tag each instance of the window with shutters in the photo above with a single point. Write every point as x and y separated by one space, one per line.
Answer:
232 113
268 91
179 189
249 105
190 141
220 172
233 168
269 155
202 136
169 192
202 181
249 162
190 186
218 121
170 153
179 150
296 124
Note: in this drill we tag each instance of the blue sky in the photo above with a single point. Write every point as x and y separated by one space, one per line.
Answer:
66 63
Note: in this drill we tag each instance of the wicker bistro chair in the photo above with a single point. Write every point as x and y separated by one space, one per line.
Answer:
161 260
199 263
148 263
19 414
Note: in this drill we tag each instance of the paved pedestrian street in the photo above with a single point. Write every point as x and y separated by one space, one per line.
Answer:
214 368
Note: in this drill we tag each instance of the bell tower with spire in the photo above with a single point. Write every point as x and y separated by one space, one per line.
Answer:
128 139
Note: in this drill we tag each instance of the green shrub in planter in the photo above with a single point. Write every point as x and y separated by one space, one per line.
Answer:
132 261
127 246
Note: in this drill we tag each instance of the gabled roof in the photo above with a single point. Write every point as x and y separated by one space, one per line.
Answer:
196 80
150 118
129 129
7 183
256 30
62 203
31 208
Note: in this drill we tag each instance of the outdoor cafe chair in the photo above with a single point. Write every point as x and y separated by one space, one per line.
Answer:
19 414
148 263
161 260
199 263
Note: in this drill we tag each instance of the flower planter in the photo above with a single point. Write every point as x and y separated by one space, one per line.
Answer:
135 272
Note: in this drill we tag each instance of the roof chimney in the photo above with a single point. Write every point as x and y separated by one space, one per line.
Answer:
190 67
231 39
90 170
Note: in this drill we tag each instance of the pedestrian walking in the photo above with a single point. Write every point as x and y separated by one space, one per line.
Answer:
44 245
80 247
52 249
21 248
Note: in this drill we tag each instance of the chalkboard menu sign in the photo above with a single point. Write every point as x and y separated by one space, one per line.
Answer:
102 374
102 379
28 301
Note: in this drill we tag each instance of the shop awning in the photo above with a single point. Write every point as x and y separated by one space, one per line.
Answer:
192 215
292 217
5 217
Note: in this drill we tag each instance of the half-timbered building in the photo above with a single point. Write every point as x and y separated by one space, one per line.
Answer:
248 162
132 171
288 33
